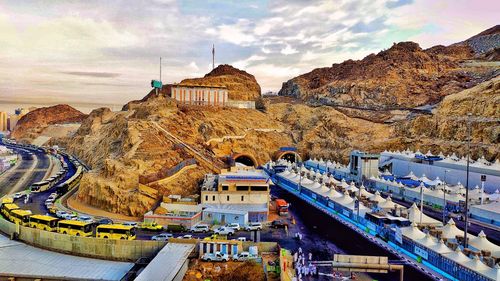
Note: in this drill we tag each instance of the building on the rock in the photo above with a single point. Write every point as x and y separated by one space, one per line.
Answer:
200 94
240 192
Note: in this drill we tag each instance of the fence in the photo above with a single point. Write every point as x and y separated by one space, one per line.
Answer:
165 172
108 249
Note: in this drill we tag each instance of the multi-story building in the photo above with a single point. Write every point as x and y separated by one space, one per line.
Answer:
3 121
240 189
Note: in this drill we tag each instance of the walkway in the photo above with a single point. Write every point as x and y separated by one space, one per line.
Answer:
20 260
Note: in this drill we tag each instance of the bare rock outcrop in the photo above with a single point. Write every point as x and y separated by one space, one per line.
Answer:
33 123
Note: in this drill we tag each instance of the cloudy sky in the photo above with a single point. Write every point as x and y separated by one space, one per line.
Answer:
107 51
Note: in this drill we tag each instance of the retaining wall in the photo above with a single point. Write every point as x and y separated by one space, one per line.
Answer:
108 249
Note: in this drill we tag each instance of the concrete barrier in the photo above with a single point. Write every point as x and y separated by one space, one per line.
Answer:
263 247
108 249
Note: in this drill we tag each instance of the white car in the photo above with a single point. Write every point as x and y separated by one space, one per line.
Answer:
130 223
235 226
86 219
49 205
187 236
61 214
200 228
252 226
162 237
243 256
18 195
70 217
218 256
224 231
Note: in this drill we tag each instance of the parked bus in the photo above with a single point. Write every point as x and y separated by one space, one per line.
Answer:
21 217
76 228
40 186
43 222
8 208
115 231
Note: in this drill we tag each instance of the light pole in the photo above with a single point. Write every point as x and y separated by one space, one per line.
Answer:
444 197
421 201
467 180
299 186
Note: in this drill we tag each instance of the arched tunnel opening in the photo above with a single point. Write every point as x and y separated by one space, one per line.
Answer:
290 156
246 160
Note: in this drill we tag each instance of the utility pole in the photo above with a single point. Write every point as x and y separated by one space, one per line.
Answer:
160 69
421 201
213 56
444 198
467 181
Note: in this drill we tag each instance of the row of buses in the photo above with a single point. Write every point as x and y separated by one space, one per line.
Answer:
13 213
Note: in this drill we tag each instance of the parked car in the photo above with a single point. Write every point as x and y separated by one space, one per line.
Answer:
49 205
105 221
218 256
130 223
234 225
279 224
162 237
176 228
53 196
151 226
85 219
200 228
224 231
243 256
71 217
252 226
187 236
242 239
49 200
61 214
18 195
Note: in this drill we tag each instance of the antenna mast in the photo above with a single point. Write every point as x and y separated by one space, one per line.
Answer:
213 56
160 69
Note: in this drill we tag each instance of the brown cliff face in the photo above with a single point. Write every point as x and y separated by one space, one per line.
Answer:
240 84
33 123
404 76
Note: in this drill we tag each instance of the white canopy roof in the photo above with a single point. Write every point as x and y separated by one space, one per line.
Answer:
435 182
428 241
412 232
476 265
412 176
323 190
458 256
388 204
343 184
480 242
450 230
377 198
333 193
441 248
414 216
424 179
352 187
365 193
344 200
333 180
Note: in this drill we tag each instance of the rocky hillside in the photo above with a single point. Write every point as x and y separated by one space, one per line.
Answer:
404 76
241 85
484 42
33 123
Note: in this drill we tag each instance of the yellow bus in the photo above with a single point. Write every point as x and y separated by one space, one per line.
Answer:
7 208
21 217
76 228
43 222
115 231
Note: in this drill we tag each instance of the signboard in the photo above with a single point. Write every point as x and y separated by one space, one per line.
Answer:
288 148
398 235
346 213
156 84
483 178
421 252
314 196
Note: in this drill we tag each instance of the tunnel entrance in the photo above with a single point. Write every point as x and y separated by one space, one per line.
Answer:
246 160
290 156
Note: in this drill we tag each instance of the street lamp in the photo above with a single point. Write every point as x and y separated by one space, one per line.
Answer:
444 197
467 180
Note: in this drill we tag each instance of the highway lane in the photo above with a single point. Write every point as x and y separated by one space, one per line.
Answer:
11 178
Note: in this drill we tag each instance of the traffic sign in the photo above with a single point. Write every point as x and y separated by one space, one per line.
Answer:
483 177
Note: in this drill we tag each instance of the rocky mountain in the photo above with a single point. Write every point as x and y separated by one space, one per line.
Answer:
485 42
403 76
240 84
33 123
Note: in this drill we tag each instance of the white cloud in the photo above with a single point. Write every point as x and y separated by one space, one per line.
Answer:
288 50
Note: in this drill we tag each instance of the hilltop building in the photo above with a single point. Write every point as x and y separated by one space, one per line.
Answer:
200 94
239 195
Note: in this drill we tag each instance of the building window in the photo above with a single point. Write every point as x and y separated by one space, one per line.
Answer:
242 188
225 187
228 198
206 197
258 188
213 198
242 197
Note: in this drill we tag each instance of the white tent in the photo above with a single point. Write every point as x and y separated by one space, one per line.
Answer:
441 248
429 153
476 265
481 243
435 182
412 176
362 208
450 230
389 204
344 200
365 193
495 196
424 179
352 187
333 193
323 190
377 198
333 180
458 256
412 232
414 215
343 184
428 241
